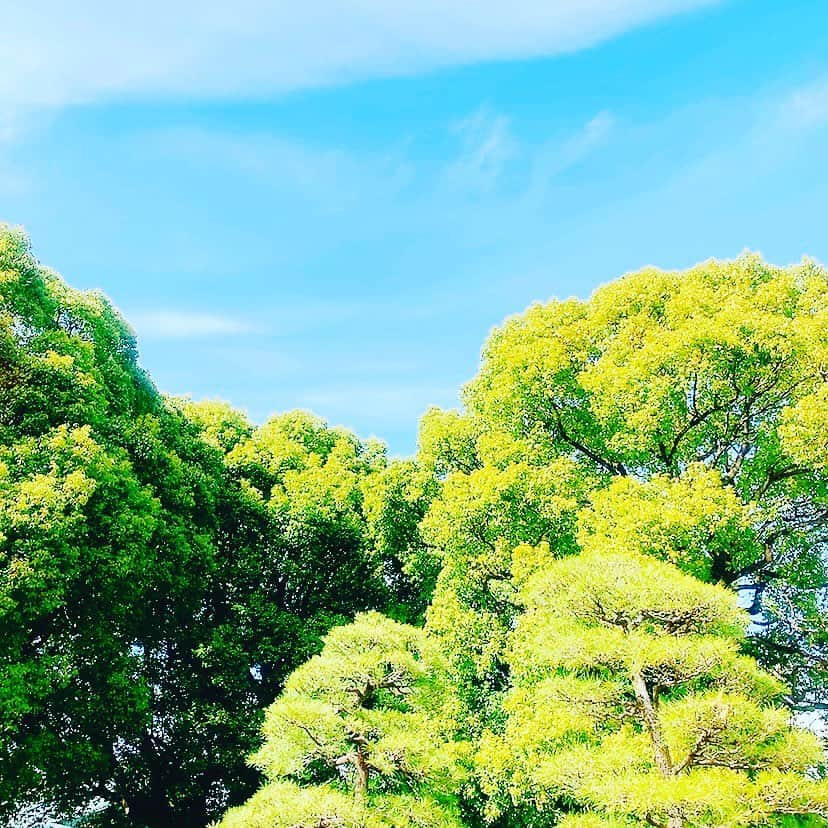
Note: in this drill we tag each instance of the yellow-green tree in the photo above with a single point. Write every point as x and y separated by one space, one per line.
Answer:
683 394
475 522
360 737
631 704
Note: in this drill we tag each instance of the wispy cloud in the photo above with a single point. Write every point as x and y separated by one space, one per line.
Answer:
806 107
180 324
492 163
329 178
500 167
555 157
283 320
579 145
487 145
56 53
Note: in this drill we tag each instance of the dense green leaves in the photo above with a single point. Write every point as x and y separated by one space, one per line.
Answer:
631 702
163 564
360 737
695 396
627 473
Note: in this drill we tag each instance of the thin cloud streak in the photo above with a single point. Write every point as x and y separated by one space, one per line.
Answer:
806 107
57 54
487 146
489 157
556 157
178 324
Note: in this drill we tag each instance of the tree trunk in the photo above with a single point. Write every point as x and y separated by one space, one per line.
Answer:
361 765
147 805
661 750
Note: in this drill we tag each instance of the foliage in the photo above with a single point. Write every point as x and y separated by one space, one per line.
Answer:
395 501
475 522
163 564
696 398
574 542
622 465
675 415
631 703
360 737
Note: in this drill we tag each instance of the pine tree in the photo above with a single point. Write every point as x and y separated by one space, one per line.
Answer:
360 737
632 705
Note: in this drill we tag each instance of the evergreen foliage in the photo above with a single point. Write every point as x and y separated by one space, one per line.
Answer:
597 595
163 564
361 736
630 701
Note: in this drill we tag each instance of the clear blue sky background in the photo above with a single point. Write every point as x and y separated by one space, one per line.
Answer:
328 205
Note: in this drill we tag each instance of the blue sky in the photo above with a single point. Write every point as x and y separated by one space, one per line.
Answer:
328 205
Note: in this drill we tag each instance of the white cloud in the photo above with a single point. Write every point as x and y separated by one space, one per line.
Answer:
187 324
56 53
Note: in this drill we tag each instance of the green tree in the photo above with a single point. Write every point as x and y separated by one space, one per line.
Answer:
85 533
396 499
360 737
677 414
475 522
712 378
109 502
163 564
631 704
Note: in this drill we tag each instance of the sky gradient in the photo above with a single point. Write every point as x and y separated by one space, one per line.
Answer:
330 207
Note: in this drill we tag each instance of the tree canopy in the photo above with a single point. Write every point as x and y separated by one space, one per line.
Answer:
631 703
596 596
686 406
163 564
361 736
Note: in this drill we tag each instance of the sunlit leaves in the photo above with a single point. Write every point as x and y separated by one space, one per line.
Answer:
361 736
630 701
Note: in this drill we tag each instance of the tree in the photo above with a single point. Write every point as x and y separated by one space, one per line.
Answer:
396 499
632 705
658 377
360 737
678 414
475 522
309 478
164 565
292 558
86 532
